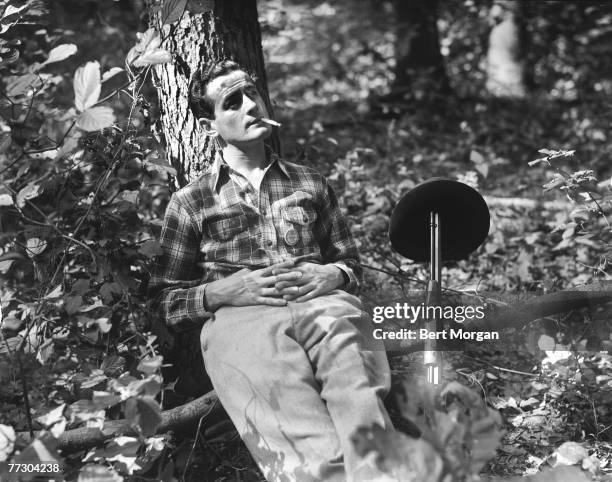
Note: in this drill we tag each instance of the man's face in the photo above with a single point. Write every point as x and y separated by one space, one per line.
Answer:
238 108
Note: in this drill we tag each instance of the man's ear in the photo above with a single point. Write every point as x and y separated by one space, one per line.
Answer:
207 125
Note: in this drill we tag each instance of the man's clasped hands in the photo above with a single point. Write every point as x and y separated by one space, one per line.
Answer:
274 285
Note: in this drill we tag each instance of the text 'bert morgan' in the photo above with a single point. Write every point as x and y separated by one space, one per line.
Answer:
414 313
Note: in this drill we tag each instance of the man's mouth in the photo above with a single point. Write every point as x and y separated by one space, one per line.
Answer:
264 120
254 121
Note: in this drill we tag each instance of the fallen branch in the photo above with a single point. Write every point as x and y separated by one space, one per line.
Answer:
521 312
181 419
515 314
522 203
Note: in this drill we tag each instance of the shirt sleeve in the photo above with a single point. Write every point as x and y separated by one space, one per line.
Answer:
335 240
176 286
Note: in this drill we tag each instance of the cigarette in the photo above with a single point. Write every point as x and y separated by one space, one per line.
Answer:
270 121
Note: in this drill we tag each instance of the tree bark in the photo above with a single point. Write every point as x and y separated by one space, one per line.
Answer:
209 30
419 70
506 73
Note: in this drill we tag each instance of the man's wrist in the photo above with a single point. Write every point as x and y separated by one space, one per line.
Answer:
343 277
211 300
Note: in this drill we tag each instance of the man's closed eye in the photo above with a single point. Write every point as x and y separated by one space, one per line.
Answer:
233 102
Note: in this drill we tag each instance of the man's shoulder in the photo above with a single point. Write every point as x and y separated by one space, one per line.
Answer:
198 193
303 172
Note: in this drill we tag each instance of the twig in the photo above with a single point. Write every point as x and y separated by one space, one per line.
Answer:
502 369
193 447
26 399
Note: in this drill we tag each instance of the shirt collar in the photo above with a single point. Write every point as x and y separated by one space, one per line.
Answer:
220 164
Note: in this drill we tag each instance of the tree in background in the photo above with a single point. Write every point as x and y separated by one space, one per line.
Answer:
201 31
419 66
506 71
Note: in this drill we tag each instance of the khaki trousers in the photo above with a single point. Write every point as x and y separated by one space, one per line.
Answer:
297 381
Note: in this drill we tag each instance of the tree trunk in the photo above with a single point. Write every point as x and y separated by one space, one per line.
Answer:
419 70
209 30
506 76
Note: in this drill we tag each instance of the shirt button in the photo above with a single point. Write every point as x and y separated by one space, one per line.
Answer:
269 243
263 211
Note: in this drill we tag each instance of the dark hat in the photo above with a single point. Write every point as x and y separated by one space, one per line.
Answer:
464 220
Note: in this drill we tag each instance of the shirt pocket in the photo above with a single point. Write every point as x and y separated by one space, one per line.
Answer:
298 215
296 226
228 228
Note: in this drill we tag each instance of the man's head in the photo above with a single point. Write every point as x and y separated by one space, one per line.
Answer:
227 103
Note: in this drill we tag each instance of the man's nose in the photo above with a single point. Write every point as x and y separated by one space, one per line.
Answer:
249 104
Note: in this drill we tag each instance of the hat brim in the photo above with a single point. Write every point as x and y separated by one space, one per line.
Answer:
464 220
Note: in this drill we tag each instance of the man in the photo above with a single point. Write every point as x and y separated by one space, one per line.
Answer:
257 252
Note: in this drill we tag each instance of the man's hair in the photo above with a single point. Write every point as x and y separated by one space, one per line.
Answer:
201 105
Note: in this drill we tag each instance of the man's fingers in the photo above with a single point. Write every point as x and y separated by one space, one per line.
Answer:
289 276
289 289
270 270
270 292
262 300
307 296
299 292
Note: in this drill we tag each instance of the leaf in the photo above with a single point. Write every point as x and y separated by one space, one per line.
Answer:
150 364
7 441
151 248
104 325
45 350
10 17
41 450
127 386
98 473
86 411
5 266
20 85
30 191
172 10
55 420
124 451
96 118
6 200
35 246
571 453
111 73
5 141
153 57
476 157
105 399
129 196
109 291
73 304
96 304
395 454
147 51
87 86
55 293
11 10
200 6
154 166
144 413
60 53
546 343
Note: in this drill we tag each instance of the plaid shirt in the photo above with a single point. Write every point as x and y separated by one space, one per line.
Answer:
219 224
